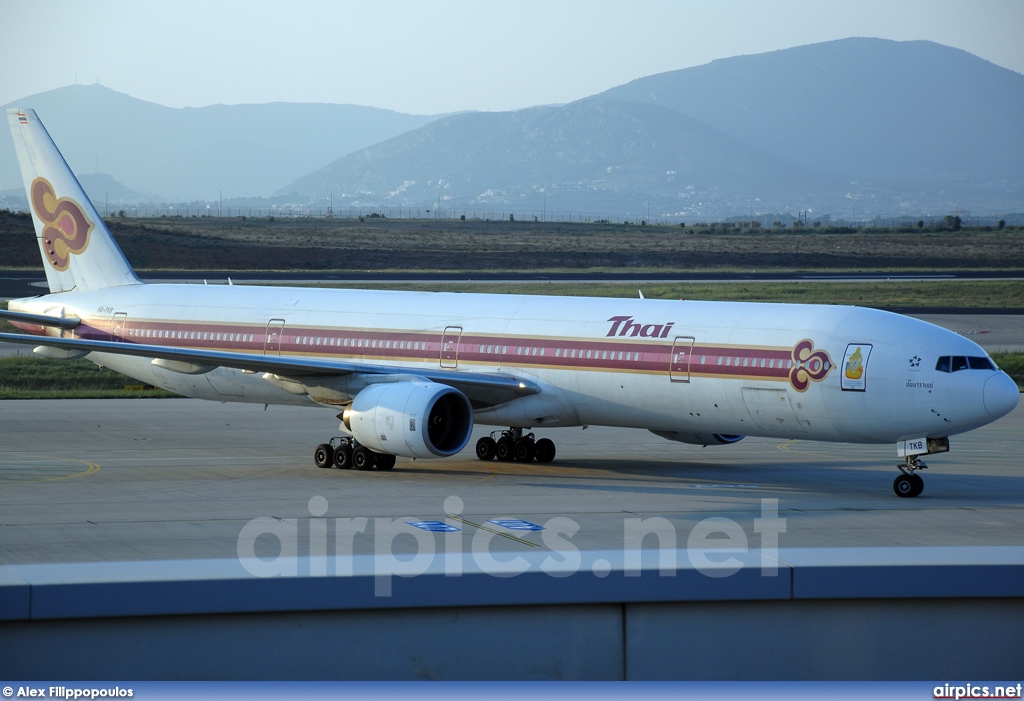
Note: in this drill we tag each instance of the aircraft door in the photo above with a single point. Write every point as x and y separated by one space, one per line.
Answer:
679 360
272 339
450 347
117 326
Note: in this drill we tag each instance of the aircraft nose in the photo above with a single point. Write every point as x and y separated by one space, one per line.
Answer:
1001 395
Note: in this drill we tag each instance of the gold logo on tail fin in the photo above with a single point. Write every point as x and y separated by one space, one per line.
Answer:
66 229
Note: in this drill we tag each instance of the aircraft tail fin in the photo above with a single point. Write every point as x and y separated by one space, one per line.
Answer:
77 249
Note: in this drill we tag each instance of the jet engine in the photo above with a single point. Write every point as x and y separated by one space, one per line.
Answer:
411 418
704 439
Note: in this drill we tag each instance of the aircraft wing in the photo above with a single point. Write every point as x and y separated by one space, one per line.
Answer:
486 389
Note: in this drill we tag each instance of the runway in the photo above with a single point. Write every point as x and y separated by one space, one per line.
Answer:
116 480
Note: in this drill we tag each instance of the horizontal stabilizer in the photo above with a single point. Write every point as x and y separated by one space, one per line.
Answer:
58 322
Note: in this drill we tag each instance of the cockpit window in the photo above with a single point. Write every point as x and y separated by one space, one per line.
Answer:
980 363
955 363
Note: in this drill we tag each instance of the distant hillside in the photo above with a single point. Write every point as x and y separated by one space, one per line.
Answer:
594 155
855 127
860 107
196 153
103 189
852 128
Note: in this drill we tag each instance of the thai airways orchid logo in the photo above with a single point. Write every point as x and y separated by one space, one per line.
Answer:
66 229
809 365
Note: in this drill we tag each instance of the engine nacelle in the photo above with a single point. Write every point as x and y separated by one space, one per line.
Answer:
704 439
413 419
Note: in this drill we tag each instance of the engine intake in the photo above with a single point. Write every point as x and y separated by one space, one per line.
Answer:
413 419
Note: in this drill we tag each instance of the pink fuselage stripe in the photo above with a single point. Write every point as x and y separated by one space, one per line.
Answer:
611 354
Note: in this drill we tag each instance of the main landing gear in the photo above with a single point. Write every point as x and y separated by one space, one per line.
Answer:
344 453
909 484
514 445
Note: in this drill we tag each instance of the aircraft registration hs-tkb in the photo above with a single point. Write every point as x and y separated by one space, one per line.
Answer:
411 372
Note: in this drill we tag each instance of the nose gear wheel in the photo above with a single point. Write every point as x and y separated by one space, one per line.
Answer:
909 484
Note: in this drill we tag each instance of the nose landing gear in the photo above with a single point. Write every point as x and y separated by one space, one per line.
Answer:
909 484
513 444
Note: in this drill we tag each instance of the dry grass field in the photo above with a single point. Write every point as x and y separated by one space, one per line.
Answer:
402 244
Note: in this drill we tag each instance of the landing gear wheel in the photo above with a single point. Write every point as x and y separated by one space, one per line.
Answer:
323 456
525 450
910 484
363 458
905 486
385 462
486 448
918 484
545 450
343 458
505 450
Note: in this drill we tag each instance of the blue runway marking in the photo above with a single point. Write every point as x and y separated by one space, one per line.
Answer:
433 526
516 524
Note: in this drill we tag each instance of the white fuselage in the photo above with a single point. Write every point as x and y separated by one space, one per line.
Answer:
831 373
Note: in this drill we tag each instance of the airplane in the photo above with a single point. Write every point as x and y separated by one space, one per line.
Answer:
410 373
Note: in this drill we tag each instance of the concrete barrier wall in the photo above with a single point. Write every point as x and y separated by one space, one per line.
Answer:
894 614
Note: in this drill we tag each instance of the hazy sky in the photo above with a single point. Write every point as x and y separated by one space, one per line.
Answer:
428 57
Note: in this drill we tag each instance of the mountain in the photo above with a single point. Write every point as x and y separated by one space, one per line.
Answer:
860 107
852 127
596 155
199 153
103 190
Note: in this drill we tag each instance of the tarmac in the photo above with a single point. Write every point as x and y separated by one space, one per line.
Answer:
148 479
